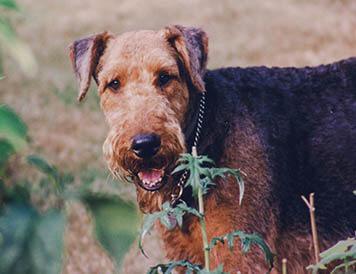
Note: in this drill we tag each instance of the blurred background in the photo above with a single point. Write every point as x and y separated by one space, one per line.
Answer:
65 137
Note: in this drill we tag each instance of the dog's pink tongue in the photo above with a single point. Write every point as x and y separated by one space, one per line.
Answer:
151 175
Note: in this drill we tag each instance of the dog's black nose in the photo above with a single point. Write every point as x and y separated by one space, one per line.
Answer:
146 145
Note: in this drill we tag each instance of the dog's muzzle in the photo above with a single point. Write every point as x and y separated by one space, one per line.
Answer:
145 146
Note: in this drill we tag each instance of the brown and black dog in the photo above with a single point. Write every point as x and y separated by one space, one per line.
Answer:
292 130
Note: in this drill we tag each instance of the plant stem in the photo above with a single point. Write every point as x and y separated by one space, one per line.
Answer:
202 221
311 207
284 266
203 230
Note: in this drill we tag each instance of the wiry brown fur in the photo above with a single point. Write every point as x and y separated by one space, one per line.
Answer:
258 119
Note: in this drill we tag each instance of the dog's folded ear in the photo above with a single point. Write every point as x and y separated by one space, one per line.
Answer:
191 44
85 54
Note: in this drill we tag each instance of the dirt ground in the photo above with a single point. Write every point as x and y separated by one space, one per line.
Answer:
241 33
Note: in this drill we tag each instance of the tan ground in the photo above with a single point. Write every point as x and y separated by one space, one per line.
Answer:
242 32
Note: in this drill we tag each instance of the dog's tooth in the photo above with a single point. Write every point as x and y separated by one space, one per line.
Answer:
151 183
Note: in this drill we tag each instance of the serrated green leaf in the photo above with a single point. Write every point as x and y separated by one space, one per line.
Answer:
230 240
249 239
150 220
116 223
219 270
179 168
168 268
179 219
12 128
344 265
147 226
148 223
246 241
339 248
166 216
224 172
185 208
201 174
165 220
246 245
214 241
342 250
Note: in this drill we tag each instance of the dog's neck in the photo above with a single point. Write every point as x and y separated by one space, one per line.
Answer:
199 132
210 139
192 131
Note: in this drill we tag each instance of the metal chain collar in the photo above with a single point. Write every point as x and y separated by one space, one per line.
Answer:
175 197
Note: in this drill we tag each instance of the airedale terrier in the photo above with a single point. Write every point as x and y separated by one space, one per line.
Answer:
292 130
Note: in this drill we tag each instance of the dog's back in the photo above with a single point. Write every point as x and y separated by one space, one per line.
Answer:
305 122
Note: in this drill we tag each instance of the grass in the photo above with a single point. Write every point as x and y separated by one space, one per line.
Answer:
244 33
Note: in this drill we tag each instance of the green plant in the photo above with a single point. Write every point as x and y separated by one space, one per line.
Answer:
343 250
13 136
31 240
10 42
200 178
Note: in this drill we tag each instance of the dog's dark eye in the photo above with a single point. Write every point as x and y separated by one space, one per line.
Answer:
114 85
164 78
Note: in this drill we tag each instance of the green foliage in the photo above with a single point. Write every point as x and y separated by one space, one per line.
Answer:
13 135
54 177
11 43
169 216
195 167
343 250
9 4
30 242
168 268
116 222
246 242
12 128
190 268
202 176
6 150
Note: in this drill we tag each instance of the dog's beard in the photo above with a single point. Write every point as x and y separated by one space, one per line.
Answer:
150 201
125 166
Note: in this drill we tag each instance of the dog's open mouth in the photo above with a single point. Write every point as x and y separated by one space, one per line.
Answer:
151 179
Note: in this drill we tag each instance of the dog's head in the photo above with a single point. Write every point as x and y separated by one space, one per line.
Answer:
147 81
